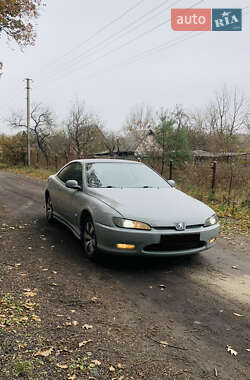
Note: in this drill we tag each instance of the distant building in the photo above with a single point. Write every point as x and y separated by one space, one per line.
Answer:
132 146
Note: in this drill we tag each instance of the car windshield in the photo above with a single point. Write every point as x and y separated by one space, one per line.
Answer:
104 174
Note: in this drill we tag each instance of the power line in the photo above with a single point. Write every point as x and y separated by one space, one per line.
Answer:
69 71
157 49
246 8
151 51
127 29
106 26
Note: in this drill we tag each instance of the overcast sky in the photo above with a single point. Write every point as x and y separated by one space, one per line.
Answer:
78 57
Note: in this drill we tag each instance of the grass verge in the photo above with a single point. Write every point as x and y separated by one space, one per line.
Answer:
29 172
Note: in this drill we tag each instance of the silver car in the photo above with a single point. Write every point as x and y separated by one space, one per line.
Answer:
125 207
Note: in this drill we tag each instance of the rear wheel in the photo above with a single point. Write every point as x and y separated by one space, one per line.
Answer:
49 210
89 240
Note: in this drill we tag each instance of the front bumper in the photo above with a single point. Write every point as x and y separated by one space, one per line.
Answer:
108 237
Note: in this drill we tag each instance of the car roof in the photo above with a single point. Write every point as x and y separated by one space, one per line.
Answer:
107 160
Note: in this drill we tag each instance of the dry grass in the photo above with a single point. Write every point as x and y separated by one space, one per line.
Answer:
29 172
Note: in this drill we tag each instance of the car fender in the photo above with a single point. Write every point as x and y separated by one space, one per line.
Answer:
99 211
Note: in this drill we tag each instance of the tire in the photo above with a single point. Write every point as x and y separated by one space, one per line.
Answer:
89 241
49 210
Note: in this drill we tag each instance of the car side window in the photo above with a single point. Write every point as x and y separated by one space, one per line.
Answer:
72 171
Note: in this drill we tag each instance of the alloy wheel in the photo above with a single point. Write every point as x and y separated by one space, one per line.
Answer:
89 239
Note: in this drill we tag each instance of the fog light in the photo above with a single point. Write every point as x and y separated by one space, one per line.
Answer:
212 241
125 246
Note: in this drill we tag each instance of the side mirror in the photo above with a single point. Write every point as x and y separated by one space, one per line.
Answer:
72 184
171 182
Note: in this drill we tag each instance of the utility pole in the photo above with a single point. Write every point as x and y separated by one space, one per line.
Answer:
28 120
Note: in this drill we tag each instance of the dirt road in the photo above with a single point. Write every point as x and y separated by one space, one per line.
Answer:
123 308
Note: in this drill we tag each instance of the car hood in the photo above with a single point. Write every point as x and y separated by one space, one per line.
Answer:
156 206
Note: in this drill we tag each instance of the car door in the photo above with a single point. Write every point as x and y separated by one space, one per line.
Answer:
64 196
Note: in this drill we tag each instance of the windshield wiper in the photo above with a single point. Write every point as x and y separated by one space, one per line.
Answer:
108 187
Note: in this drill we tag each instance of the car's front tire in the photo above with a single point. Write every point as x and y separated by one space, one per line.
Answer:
89 240
49 210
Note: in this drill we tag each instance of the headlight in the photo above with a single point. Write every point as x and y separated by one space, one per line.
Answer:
211 221
134 224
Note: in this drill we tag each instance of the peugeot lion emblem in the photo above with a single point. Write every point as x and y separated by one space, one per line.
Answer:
181 226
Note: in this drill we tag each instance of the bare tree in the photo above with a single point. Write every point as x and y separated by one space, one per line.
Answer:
138 130
181 117
112 142
83 129
61 144
226 116
41 127
216 127
138 123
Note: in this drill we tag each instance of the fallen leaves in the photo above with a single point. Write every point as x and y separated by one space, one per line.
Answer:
29 305
231 351
87 327
73 323
84 342
232 225
16 311
96 362
162 287
71 377
165 344
113 369
238 315
45 353
36 318
30 293
52 284
62 366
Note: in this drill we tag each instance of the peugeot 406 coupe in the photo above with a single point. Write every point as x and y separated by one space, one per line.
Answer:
124 207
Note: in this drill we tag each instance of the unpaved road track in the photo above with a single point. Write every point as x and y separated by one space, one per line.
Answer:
193 312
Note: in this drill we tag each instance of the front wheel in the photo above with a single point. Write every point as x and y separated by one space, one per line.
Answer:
89 240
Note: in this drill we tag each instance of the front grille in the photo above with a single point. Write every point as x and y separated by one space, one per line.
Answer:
174 228
176 243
